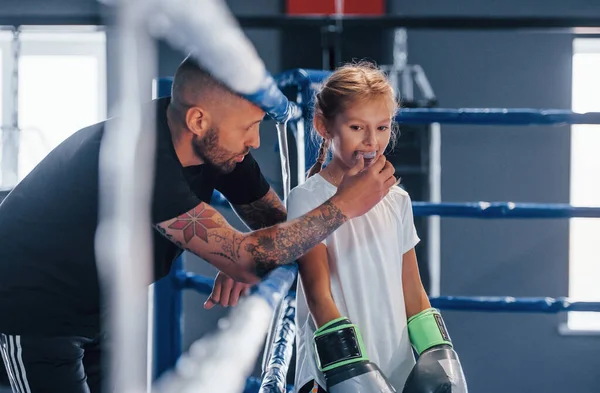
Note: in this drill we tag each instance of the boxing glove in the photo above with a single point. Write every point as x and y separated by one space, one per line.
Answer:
438 369
342 358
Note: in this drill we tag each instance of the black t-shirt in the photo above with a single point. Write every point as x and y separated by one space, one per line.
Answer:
48 277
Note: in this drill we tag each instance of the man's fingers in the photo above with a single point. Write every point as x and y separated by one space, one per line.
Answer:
226 292
388 170
209 303
215 295
391 182
358 166
236 293
379 164
226 288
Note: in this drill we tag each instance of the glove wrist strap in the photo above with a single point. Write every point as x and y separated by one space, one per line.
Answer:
427 329
338 343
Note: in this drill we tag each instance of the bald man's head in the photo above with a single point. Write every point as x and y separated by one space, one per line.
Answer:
221 125
192 86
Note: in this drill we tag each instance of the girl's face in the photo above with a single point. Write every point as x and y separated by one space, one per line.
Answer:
364 128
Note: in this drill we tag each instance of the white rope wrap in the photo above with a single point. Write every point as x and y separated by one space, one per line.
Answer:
222 361
207 29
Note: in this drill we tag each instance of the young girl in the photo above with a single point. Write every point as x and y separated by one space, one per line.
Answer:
367 270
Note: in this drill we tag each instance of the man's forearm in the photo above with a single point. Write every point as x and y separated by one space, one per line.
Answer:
246 256
265 212
284 243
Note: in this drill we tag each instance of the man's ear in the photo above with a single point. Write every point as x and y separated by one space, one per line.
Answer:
197 120
319 124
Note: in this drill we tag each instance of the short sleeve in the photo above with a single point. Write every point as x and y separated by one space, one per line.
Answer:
300 202
245 184
172 193
410 237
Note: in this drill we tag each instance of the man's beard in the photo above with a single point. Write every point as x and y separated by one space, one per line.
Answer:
208 150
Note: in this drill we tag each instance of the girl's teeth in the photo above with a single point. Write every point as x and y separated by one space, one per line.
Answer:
369 155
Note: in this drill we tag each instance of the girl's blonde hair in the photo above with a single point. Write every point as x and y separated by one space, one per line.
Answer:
345 87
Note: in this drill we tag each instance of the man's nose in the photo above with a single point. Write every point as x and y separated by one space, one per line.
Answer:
254 139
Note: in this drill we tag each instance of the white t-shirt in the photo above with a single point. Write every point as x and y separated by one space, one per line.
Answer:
365 263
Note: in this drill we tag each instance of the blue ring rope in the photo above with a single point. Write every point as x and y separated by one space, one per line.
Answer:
503 210
486 209
304 79
467 303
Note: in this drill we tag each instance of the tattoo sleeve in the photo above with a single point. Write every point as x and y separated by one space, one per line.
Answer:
245 256
265 212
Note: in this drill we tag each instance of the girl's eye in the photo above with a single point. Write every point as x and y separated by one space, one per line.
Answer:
382 128
355 128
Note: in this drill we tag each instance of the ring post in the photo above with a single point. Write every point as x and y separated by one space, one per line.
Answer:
167 316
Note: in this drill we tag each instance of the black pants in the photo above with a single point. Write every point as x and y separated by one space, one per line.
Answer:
52 364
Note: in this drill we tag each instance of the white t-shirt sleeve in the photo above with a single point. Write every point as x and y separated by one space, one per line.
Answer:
299 202
410 238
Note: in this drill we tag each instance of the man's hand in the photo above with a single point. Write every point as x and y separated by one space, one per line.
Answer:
362 188
226 292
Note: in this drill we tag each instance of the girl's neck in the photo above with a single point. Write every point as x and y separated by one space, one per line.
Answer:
334 172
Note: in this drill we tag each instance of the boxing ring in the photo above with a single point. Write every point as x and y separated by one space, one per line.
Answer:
168 292
268 311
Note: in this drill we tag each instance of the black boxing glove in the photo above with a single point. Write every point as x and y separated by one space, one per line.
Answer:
342 358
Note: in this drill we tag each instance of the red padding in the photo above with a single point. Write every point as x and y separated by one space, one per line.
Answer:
327 7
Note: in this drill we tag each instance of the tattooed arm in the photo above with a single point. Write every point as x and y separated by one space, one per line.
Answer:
248 256
265 212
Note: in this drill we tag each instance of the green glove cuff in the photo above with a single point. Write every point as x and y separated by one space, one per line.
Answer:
341 320
338 343
427 330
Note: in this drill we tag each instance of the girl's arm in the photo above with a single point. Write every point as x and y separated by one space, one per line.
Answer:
415 297
313 268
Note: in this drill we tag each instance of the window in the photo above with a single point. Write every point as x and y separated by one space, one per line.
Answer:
61 88
5 88
584 262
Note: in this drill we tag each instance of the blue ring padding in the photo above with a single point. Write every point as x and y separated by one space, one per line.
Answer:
253 386
275 374
503 210
499 304
494 116
300 77
270 99
467 303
